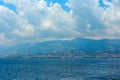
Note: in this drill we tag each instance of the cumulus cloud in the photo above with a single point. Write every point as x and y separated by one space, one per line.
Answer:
3 39
111 18
35 20
94 21
86 15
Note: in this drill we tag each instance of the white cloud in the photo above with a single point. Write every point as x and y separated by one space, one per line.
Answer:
36 21
86 15
26 32
104 22
111 19
3 39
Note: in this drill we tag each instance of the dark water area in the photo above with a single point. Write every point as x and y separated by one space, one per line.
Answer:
60 69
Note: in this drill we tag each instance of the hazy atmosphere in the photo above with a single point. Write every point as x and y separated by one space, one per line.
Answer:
59 39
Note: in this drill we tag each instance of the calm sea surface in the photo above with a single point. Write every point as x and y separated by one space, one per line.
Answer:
60 69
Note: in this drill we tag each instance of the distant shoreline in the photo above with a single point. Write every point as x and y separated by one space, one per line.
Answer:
53 57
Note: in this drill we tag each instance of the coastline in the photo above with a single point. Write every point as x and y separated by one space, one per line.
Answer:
55 57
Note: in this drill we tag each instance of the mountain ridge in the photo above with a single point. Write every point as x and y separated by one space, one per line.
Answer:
74 47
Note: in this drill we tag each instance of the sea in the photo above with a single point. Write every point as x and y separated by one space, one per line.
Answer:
59 69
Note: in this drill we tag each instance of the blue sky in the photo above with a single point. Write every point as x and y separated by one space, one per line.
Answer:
40 20
61 2
10 6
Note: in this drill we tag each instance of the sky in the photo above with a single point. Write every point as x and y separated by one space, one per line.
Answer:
24 21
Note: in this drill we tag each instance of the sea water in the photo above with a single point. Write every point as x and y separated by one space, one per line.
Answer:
59 69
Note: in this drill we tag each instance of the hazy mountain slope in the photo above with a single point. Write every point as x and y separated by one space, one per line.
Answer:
78 46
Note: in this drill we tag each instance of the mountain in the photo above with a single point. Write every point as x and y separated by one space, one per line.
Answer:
75 47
